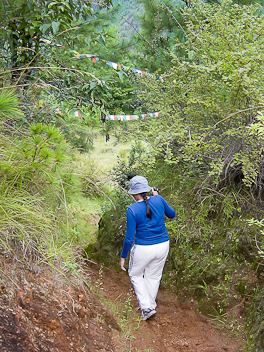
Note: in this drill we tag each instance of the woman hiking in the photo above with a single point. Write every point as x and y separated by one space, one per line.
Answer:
145 224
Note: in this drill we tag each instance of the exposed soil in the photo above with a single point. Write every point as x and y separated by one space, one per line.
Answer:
176 327
43 311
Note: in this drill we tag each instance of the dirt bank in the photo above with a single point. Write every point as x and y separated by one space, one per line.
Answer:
41 310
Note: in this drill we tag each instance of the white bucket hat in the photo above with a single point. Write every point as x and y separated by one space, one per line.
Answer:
139 184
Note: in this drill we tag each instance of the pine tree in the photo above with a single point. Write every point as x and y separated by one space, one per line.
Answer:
161 26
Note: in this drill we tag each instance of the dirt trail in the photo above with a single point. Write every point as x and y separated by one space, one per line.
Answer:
176 327
41 311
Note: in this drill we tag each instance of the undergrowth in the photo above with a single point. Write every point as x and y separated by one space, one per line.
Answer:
49 192
45 191
213 256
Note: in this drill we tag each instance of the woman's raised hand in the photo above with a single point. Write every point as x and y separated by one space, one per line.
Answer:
154 192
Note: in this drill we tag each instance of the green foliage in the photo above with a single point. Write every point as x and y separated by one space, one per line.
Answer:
80 139
255 321
161 24
33 157
28 162
26 22
116 93
125 170
128 11
38 180
107 248
78 136
9 105
209 100
29 46
127 309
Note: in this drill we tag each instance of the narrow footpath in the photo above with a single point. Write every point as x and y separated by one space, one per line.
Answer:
45 309
177 327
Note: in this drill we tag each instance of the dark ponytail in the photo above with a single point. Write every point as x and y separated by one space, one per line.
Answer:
148 211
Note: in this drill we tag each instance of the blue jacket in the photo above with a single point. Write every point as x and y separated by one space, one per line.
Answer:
148 231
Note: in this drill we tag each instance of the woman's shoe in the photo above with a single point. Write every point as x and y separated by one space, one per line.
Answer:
147 313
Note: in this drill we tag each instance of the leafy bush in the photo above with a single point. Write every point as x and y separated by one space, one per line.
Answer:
111 234
126 169
211 97
254 319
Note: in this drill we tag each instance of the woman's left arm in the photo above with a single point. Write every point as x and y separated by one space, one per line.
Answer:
169 211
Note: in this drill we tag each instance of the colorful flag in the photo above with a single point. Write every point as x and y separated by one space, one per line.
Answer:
96 59
131 117
77 114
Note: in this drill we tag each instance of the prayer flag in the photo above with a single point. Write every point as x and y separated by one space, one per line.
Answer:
131 117
77 114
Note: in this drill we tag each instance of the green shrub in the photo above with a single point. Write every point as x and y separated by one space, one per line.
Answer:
37 178
111 234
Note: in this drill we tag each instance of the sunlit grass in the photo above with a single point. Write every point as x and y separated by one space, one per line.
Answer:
86 211
105 154
94 168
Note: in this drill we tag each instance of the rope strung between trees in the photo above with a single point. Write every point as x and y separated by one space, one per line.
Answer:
105 117
96 59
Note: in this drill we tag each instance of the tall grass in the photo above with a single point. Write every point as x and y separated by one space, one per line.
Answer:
40 186
24 223
28 162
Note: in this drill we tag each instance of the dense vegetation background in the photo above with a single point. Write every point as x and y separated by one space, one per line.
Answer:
205 153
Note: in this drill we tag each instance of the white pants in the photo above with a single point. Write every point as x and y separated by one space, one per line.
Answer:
145 271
